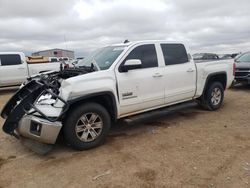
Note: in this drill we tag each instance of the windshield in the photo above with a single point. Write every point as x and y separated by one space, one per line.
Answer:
102 58
244 58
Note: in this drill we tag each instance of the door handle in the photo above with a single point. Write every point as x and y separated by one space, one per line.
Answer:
157 75
20 68
190 70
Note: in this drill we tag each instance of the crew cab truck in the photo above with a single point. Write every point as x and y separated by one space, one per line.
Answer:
15 69
112 83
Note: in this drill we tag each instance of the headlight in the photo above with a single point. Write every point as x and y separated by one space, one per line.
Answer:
46 99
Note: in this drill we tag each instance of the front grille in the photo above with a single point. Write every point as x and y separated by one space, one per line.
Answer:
243 69
241 74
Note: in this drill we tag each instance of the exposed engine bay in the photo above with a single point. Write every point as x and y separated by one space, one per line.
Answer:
41 89
54 79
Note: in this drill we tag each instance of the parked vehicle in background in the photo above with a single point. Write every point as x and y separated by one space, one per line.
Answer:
37 59
228 56
242 73
200 57
235 55
63 59
225 56
53 59
15 67
113 83
73 62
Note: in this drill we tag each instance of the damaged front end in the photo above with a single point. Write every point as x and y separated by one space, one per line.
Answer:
34 113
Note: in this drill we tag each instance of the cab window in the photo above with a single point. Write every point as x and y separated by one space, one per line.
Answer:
10 59
174 54
146 53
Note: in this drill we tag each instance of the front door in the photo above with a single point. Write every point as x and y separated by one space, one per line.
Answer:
141 88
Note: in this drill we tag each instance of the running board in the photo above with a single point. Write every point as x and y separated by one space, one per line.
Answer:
159 113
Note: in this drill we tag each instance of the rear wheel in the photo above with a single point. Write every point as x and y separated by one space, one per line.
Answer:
213 96
87 126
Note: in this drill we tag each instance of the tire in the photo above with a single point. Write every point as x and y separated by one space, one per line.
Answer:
213 97
86 126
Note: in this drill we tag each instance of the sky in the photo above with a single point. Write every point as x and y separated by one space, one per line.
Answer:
219 26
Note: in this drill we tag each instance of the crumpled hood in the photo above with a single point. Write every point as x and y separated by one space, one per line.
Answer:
88 83
89 77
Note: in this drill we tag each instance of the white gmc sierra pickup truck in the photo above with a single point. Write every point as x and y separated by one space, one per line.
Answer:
14 69
114 82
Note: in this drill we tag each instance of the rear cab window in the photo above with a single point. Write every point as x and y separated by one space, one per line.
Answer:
10 59
174 54
146 53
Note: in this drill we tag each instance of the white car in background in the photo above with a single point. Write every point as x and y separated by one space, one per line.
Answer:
14 68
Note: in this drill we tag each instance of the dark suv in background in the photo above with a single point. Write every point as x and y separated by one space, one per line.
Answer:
242 73
200 57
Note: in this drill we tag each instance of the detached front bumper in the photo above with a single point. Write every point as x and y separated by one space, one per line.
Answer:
38 125
39 129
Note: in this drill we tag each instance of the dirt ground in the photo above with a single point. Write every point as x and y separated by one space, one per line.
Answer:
190 148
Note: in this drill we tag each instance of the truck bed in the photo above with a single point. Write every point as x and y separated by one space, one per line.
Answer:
211 67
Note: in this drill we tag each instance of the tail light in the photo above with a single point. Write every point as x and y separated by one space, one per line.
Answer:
234 69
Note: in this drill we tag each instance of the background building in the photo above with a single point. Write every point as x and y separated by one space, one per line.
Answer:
55 53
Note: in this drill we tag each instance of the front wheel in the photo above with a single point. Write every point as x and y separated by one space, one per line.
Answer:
87 126
213 96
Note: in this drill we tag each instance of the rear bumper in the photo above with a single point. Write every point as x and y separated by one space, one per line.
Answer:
39 129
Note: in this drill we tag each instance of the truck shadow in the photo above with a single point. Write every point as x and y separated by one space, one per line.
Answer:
120 133
121 130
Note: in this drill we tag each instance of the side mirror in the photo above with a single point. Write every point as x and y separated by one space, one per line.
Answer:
131 64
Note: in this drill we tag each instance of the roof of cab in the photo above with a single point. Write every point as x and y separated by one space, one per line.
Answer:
11 53
146 41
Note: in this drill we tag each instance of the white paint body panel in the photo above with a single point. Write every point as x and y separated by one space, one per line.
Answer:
207 68
140 90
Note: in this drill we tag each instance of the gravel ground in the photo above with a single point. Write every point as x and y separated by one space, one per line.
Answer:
190 148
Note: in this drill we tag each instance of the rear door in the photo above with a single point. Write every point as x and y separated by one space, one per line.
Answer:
179 73
12 70
142 88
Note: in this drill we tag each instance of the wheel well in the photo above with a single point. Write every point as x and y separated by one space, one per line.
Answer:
222 78
106 100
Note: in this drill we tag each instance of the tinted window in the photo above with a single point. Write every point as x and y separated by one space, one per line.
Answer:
147 55
174 54
10 60
53 60
244 58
